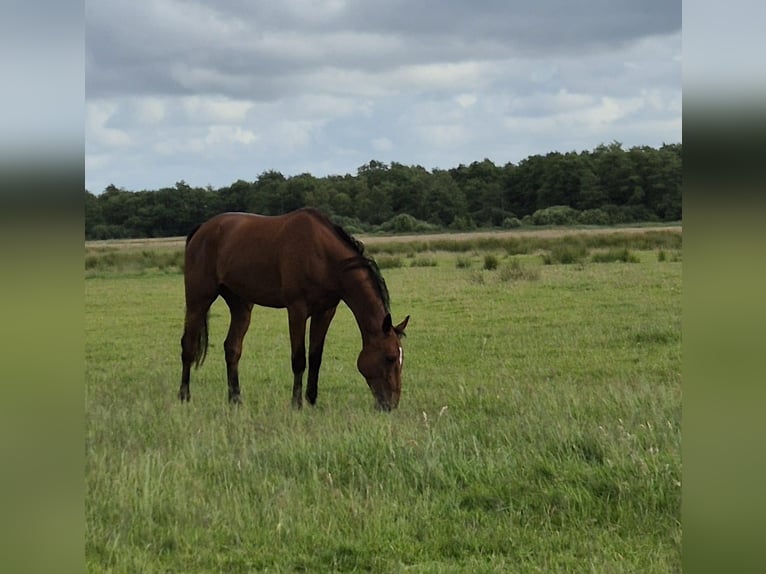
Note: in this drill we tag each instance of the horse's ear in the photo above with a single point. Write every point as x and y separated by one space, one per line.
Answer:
387 324
402 326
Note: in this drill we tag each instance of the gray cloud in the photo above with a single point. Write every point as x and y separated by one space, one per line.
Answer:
231 88
167 46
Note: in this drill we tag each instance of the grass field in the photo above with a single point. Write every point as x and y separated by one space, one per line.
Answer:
538 430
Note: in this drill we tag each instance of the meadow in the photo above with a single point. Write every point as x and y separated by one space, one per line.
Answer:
539 427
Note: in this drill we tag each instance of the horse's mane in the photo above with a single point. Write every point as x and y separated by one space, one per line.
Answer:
360 260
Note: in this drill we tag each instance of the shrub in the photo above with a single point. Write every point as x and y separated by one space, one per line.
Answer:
624 255
555 215
594 217
490 262
511 222
462 223
350 224
388 261
674 255
463 262
423 262
406 223
515 271
566 254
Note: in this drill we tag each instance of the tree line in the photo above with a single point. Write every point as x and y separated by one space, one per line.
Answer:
608 185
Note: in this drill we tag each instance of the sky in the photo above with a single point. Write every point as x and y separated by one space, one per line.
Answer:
213 92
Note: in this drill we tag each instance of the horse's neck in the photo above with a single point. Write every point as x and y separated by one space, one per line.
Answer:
362 297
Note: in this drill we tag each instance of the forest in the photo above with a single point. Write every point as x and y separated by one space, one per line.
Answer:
606 186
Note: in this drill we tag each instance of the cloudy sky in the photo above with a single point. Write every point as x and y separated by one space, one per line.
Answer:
211 92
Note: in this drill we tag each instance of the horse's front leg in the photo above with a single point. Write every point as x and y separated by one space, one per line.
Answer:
297 317
320 322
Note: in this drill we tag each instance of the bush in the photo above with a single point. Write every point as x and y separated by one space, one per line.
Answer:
462 223
491 216
423 262
463 262
490 262
624 255
350 224
388 262
565 254
555 215
406 223
674 256
511 222
515 271
102 231
594 217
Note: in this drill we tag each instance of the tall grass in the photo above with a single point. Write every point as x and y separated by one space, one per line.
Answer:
572 246
133 260
530 243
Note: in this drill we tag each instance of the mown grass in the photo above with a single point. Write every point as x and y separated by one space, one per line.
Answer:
539 429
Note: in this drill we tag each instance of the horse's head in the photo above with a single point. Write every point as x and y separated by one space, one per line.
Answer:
380 362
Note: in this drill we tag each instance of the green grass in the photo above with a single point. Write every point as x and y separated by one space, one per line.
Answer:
538 430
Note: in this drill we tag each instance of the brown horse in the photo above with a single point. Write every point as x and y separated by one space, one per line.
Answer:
303 262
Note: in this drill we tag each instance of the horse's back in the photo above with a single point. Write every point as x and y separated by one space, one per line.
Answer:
265 259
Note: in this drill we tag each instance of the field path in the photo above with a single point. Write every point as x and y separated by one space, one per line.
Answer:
526 232
178 242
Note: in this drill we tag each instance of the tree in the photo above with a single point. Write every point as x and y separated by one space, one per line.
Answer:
444 201
267 198
482 185
238 196
407 189
590 195
523 183
94 217
614 170
373 172
607 184
373 206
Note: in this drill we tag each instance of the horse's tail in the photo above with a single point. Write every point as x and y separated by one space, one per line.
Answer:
200 349
192 232
202 343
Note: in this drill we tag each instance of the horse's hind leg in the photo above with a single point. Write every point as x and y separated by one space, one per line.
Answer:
240 321
317 333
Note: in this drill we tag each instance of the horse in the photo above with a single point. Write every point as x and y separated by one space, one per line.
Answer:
300 261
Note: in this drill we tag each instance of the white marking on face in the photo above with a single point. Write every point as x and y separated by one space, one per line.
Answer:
401 357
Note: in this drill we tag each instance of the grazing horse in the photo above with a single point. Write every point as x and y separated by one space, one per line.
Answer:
300 261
